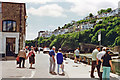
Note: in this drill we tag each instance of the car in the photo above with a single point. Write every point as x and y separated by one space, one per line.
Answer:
46 50
40 48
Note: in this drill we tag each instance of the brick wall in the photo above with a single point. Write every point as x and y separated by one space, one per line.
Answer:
16 12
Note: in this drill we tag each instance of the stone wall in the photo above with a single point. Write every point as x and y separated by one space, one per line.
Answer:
16 12
117 49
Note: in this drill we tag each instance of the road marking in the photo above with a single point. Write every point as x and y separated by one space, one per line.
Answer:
32 74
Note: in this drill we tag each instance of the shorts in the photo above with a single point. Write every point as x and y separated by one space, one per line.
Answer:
77 56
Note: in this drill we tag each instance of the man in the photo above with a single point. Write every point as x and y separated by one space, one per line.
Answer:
99 56
22 57
52 60
60 61
77 54
94 60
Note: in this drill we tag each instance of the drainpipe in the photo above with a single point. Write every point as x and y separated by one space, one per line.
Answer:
20 28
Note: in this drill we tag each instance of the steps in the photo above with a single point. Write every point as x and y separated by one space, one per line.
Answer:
10 58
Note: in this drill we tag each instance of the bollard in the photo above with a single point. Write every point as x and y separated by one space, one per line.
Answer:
88 61
114 69
84 58
80 58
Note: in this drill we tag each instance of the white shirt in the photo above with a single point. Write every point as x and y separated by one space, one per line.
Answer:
100 55
94 55
77 52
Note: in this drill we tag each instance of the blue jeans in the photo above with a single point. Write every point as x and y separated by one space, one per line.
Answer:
59 67
106 73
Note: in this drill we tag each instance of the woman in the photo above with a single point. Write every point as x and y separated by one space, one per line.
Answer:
31 56
107 65
22 57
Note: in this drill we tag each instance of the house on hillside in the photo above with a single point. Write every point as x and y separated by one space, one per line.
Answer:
55 32
114 12
86 26
98 20
63 31
86 18
70 29
12 28
46 34
40 33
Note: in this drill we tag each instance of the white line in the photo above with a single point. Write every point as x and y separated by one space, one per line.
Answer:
32 74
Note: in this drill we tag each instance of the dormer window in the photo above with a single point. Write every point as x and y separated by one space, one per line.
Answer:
9 26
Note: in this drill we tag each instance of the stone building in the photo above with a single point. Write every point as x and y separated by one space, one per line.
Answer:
12 28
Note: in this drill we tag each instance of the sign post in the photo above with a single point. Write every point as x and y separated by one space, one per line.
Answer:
99 38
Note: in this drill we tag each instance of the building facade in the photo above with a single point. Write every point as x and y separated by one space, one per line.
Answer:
86 26
12 28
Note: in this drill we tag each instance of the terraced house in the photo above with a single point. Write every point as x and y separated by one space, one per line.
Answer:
12 28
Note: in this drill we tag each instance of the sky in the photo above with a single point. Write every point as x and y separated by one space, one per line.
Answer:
49 14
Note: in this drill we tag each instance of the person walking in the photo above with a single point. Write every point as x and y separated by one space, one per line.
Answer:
94 60
52 61
77 54
60 61
36 49
99 56
39 49
107 65
22 57
31 56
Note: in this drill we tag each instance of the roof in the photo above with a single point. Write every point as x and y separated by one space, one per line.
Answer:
12 2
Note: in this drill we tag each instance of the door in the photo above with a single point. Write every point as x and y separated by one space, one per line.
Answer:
10 46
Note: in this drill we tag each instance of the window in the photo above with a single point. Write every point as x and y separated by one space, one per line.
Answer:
9 26
0 7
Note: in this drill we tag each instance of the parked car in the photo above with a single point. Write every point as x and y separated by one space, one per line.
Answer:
46 50
40 48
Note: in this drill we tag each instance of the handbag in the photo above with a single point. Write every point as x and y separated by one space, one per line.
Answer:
17 59
101 68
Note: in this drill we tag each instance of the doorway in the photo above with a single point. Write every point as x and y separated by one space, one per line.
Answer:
10 46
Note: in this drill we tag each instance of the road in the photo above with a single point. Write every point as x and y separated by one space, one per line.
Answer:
72 70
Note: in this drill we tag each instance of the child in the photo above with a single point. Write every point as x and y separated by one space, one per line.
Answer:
60 61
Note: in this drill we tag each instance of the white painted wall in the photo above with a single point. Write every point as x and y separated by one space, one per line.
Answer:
3 36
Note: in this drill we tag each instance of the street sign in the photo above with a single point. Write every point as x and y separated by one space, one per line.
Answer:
99 36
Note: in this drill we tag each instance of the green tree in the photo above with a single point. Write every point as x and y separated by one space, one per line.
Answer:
117 41
110 37
91 15
109 10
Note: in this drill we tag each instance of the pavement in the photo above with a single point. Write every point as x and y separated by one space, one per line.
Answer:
72 70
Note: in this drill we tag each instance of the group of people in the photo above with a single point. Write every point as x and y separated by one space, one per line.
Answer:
31 55
59 58
22 57
102 61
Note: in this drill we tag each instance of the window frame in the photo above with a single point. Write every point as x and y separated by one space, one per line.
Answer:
12 24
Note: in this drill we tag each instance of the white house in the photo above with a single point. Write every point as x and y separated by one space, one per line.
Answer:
114 12
86 26
98 20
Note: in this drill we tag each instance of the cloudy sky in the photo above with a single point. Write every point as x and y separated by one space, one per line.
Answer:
49 14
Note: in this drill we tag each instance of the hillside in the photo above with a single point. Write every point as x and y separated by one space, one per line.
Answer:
109 27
